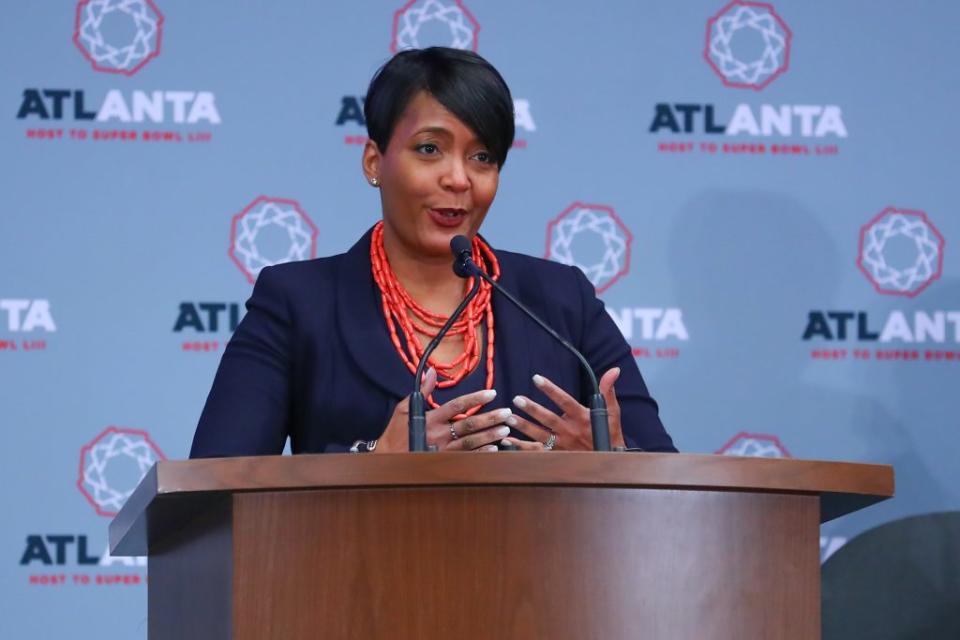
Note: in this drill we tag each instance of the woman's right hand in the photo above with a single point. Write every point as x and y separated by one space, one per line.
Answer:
479 432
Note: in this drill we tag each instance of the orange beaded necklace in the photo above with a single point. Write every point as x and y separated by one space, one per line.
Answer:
399 308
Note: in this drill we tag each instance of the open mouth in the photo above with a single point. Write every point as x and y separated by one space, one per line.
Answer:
448 217
451 213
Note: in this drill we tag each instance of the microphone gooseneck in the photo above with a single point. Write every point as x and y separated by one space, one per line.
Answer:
417 417
599 420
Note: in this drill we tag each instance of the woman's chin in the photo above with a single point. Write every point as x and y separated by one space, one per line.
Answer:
436 245
441 236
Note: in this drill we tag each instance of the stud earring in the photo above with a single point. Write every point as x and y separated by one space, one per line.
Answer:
374 182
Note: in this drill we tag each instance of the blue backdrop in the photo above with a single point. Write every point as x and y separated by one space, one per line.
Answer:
764 194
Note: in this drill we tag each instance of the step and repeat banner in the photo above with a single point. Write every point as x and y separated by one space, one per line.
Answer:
764 194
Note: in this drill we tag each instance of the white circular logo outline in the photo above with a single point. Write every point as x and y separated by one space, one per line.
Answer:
598 219
754 445
408 19
108 57
264 212
95 459
723 28
928 242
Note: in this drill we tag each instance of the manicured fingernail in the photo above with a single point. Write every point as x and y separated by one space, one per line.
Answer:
502 431
512 421
507 442
617 369
538 380
520 401
503 414
491 447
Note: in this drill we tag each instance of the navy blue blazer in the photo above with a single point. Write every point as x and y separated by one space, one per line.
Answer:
312 359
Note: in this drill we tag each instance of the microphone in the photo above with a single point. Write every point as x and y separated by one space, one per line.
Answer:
417 416
462 250
599 422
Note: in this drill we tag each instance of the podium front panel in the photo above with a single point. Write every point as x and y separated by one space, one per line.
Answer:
525 562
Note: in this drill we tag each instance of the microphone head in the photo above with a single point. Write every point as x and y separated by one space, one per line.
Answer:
461 249
460 268
460 246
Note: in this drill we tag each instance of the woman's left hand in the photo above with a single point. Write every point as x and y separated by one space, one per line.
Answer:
572 427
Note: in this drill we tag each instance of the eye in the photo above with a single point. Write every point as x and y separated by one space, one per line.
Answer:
485 157
427 148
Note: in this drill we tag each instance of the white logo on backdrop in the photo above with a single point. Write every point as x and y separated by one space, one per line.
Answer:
118 36
755 445
271 231
748 44
829 545
449 21
593 238
901 252
112 465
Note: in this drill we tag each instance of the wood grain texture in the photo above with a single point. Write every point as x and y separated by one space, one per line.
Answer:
843 487
525 562
556 468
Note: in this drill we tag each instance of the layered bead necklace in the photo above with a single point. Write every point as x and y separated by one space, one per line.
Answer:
404 315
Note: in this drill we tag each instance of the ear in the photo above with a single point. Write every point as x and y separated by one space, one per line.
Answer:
371 160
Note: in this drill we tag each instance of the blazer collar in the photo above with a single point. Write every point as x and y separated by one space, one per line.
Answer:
361 323
364 332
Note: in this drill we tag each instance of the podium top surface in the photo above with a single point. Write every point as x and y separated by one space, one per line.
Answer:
843 487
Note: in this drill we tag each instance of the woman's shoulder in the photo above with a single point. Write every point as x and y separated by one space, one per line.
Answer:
530 266
300 289
545 284
301 273
529 271
320 273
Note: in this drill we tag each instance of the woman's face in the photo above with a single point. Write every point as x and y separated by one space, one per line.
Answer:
437 180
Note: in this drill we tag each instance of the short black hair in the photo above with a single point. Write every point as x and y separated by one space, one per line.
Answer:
462 81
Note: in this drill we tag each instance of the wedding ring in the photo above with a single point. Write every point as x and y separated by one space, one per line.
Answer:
551 442
453 432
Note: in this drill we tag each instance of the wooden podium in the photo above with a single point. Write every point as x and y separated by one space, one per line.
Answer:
508 545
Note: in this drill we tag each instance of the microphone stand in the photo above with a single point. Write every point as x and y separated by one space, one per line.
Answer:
417 417
599 421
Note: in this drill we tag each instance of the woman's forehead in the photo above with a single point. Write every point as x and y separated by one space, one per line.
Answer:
425 113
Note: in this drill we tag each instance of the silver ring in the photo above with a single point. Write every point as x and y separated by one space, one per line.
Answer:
453 432
551 442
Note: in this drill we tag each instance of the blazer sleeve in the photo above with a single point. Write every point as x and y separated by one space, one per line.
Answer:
604 347
248 408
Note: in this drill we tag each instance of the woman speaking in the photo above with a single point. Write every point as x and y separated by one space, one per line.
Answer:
327 351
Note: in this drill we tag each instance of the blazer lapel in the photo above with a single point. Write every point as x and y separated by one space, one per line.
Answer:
513 335
361 325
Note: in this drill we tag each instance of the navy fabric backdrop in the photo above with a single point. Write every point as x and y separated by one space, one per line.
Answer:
764 194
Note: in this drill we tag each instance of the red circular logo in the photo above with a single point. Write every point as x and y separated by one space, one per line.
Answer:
118 36
112 465
271 231
748 44
422 23
593 238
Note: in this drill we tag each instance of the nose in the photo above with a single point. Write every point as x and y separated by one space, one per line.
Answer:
455 178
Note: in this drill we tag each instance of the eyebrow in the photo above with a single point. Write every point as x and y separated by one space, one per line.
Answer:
435 129
443 131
